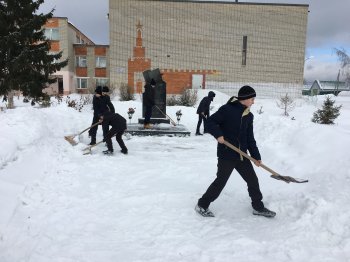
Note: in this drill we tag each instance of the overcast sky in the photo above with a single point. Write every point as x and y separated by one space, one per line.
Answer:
328 28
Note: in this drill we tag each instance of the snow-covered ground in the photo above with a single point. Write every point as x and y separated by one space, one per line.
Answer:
59 205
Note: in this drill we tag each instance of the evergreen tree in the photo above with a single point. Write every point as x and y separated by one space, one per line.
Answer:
328 113
25 61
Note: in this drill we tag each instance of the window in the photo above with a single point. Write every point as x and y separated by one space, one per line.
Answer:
101 81
52 33
80 61
101 62
244 50
82 82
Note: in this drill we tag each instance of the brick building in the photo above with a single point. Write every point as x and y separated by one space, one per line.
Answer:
88 63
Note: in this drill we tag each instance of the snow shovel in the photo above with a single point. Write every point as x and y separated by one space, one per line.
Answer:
88 149
172 121
70 139
274 175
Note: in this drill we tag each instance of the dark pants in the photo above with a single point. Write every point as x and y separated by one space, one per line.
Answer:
118 136
93 130
148 114
200 119
225 168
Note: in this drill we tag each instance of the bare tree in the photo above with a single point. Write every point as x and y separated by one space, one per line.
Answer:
345 63
286 103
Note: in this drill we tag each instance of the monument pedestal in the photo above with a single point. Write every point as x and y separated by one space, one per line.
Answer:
157 130
155 121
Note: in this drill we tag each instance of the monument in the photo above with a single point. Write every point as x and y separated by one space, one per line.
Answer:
159 109
162 124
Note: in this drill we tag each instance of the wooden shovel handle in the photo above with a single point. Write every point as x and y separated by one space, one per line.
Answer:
164 114
250 158
89 127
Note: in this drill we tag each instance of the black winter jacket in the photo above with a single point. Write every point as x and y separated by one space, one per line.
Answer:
101 105
107 101
148 95
234 122
115 120
204 105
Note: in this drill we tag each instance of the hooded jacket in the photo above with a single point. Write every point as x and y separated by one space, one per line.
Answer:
234 122
204 105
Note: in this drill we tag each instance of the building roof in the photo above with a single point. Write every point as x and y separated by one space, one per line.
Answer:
328 85
226 2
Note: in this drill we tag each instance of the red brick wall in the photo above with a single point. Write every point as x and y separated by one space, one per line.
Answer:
81 71
137 65
52 23
139 87
139 52
100 72
177 81
100 51
80 50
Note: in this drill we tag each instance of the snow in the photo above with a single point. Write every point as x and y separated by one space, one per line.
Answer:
59 205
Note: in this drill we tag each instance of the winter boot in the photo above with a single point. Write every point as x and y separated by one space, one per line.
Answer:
147 126
198 134
93 141
264 212
204 212
107 152
124 151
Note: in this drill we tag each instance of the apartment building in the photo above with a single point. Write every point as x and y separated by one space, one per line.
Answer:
88 63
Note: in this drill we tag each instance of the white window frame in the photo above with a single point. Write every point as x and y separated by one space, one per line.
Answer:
81 61
52 33
101 62
101 81
80 81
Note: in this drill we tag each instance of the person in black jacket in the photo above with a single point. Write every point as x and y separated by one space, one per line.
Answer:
148 101
203 112
118 124
233 122
107 99
101 104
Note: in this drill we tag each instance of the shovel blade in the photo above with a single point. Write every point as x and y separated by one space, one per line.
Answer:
289 179
87 152
71 140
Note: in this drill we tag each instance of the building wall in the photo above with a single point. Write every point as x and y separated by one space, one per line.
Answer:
68 36
189 35
91 72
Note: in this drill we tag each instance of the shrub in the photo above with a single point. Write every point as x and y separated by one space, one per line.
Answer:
188 97
126 93
286 103
78 104
327 114
172 101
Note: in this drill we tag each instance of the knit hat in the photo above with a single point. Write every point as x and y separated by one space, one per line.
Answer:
98 90
105 89
246 92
